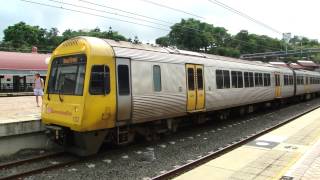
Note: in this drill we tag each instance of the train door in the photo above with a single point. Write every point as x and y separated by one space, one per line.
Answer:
294 83
195 87
123 70
306 84
277 85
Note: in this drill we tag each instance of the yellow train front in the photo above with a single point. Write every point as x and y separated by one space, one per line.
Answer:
79 102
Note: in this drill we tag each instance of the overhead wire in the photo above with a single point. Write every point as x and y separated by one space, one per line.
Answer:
126 21
116 9
244 15
107 12
171 8
100 5
83 12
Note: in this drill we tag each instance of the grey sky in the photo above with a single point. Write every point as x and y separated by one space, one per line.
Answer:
298 17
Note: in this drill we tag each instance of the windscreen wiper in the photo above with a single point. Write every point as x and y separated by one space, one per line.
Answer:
60 90
48 97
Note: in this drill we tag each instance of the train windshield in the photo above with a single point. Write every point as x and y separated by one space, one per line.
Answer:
67 75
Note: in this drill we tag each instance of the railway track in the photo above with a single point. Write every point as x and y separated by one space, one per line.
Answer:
22 174
169 174
223 150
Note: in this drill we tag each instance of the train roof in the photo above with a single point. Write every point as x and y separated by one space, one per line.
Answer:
23 61
169 50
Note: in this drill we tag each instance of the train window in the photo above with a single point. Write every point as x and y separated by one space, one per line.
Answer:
226 79
234 79
67 75
246 79
290 80
191 79
258 79
286 80
266 79
156 78
222 79
251 79
199 79
80 80
219 79
277 80
123 80
297 79
237 79
240 79
100 80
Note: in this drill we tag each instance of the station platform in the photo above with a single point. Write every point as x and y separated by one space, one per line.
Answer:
18 109
289 152
14 94
20 125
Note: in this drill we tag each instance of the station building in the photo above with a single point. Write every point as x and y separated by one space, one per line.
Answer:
17 70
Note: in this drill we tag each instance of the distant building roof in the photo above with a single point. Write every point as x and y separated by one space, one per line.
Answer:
23 61
295 66
279 64
307 63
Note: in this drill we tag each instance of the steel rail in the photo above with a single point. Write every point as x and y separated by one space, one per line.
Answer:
37 170
33 159
223 150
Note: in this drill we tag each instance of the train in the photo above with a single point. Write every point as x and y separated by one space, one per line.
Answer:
101 90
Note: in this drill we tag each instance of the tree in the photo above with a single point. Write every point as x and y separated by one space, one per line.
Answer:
163 41
225 51
136 40
194 35
191 34
21 34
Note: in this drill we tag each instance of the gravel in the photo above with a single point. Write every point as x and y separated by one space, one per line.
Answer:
36 165
144 160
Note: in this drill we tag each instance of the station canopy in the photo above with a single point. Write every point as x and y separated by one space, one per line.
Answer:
23 64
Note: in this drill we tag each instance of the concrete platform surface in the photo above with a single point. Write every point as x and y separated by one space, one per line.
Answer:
289 152
20 125
18 109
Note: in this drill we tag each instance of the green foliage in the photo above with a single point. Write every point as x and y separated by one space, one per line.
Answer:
225 51
21 34
21 37
163 41
110 34
194 35
251 43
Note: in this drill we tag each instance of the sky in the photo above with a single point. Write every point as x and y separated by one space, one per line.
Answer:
298 17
